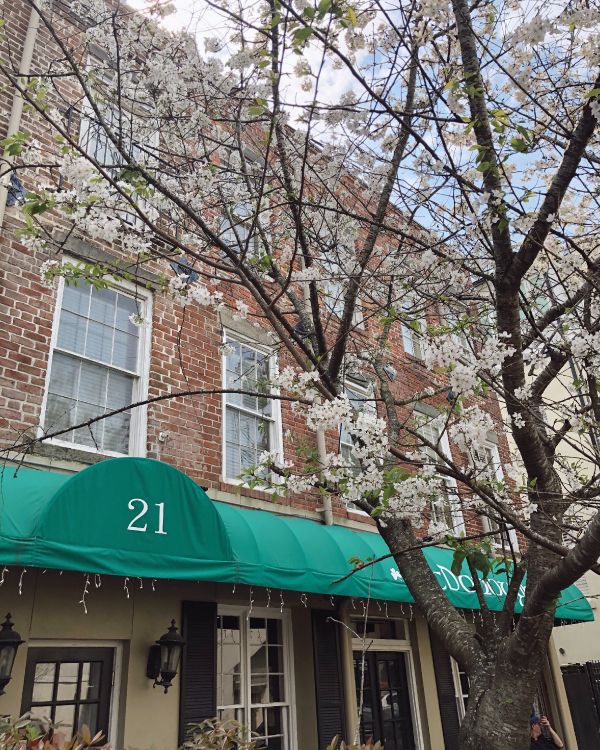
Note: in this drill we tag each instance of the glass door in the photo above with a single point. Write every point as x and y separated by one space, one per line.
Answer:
386 713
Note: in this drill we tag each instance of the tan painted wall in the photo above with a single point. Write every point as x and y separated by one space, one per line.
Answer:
49 609
581 642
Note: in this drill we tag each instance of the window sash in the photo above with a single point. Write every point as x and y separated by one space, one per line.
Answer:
412 341
253 664
488 454
442 509
239 408
81 386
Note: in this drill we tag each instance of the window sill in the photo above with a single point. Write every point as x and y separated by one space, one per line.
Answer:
62 451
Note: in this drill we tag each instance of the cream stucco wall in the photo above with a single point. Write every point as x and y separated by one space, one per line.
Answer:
48 612
576 644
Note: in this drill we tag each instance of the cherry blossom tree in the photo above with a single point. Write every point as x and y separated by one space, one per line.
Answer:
365 179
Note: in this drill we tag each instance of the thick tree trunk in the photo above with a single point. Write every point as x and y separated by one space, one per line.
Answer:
500 703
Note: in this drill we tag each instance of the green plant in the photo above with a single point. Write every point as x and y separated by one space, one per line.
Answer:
368 745
32 733
213 734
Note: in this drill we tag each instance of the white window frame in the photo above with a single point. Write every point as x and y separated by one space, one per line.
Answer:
117 646
459 695
411 340
457 516
334 292
138 426
239 224
245 613
276 430
451 320
88 122
404 646
499 475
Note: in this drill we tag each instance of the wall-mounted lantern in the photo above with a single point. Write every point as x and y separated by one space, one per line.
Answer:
164 658
10 641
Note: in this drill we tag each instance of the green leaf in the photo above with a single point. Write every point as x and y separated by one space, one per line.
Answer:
301 35
457 561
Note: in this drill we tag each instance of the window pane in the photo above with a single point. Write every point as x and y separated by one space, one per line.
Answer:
65 374
120 390
258 721
249 378
92 435
88 715
125 352
43 682
275 658
91 674
76 298
60 414
99 342
126 306
71 332
274 720
67 681
258 658
276 688
229 661
259 689
102 308
247 430
116 432
274 631
65 717
92 384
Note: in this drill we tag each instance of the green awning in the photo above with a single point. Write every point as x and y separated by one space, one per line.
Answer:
140 517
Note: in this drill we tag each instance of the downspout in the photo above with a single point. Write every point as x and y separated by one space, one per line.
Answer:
326 509
16 112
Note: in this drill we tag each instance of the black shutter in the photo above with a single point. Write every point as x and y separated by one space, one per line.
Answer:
198 689
582 706
328 679
446 692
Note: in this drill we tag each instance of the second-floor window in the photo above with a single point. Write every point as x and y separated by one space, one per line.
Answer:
96 367
411 337
489 469
443 507
236 229
124 123
252 419
359 398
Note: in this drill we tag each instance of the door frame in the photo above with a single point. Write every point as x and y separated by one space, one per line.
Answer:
403 646
116 677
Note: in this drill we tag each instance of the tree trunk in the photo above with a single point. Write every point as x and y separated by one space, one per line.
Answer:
502 689
500 703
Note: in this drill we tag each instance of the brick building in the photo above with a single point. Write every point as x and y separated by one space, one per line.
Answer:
100 555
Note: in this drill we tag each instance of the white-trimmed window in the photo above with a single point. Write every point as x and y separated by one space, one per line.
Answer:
252 419
98 364
236 229
359 397
444 508
489 468
461 688
411 337
334 290
123 123
453 320
253 674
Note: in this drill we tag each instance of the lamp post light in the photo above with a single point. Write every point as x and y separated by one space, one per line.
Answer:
10 641
164 658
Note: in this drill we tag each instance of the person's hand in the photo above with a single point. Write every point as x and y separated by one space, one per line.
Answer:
544 722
